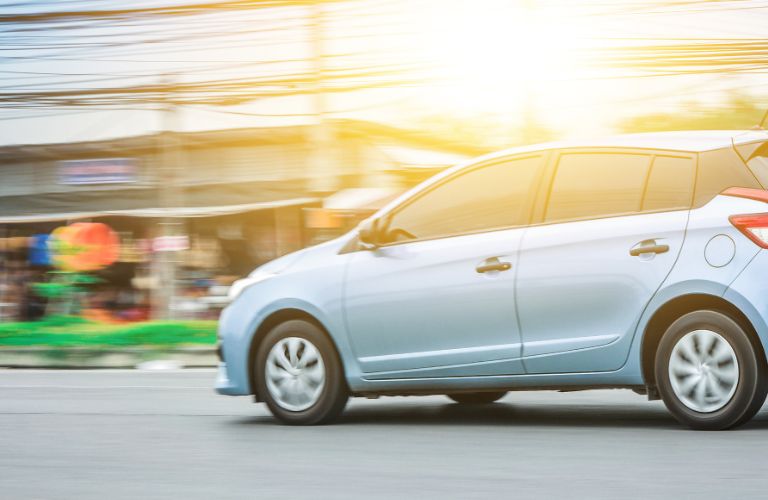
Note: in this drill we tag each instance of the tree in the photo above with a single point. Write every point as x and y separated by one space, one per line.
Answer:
739 112
488 132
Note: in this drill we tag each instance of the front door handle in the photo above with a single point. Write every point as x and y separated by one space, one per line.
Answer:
648 246
493 264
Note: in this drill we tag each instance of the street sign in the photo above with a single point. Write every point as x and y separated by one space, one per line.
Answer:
98 171
170 243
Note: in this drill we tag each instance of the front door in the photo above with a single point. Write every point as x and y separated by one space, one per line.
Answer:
437 298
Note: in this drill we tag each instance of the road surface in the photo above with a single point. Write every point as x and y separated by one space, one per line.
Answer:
129 434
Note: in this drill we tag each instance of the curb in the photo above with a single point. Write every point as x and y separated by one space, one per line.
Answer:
86 357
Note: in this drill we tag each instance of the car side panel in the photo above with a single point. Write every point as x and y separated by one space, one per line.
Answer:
692 274
705 223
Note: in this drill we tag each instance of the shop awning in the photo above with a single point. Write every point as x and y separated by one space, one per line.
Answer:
178 212
348 203
360 198
407 157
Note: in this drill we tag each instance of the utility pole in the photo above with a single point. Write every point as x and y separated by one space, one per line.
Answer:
321 169
529 124
165 260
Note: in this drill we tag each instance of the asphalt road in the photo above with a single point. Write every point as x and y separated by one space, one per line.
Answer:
126 434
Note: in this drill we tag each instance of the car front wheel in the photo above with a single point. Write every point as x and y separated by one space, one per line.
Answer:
299 376
708 372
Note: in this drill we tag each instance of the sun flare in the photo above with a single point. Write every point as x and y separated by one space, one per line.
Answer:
498 56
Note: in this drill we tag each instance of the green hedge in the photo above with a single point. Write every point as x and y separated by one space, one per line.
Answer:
73 332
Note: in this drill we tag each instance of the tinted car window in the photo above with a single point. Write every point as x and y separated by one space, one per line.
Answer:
589 185
670 185
486 198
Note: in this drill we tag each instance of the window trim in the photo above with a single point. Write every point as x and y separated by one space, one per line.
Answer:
528 204
554 162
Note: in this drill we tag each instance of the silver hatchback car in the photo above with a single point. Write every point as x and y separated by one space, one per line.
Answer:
636 262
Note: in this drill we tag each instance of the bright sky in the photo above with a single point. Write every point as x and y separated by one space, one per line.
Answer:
477 58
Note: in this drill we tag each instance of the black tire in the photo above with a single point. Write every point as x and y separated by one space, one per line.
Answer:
751 385
477 398
334 394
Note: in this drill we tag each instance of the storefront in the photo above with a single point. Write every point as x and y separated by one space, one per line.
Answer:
216 246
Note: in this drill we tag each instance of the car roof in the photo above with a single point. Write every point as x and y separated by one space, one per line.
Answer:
693 141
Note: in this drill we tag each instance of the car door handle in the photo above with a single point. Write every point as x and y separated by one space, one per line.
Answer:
493 265
649 246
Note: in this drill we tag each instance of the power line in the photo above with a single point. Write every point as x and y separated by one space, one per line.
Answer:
162 12
653 58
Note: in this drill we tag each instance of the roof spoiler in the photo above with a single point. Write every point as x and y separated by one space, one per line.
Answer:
749 193
747 150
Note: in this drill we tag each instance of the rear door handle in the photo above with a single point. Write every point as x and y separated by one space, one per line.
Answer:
493 264
648 246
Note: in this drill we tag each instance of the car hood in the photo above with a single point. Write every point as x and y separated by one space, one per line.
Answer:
297 260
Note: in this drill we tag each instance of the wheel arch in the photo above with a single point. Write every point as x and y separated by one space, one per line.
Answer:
272 320
673 309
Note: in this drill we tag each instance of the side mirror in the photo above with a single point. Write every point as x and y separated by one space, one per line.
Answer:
368 234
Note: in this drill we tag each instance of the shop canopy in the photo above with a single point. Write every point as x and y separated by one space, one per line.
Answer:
349 202
361 198
179 212
420 158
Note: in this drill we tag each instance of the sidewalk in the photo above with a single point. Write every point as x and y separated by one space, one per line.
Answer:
89 357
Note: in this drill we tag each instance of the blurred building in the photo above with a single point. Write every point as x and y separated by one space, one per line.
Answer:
238 197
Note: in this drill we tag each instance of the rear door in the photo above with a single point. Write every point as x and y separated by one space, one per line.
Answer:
609 231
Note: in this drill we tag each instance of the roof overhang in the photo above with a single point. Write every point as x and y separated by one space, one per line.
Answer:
157 213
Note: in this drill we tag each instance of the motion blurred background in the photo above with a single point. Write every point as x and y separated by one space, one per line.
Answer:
171 146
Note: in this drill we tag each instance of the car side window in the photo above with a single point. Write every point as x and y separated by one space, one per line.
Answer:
670 184
484 198
592 185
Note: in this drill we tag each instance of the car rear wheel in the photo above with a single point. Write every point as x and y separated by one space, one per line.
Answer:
477 398
299 376
708 372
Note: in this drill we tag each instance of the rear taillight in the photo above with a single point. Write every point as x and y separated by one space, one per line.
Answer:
754 227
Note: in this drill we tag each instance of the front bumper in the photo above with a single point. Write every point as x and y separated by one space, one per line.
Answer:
224 385
232 376
749 293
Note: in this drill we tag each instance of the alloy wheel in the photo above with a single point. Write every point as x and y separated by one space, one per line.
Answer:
295 373
703 371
